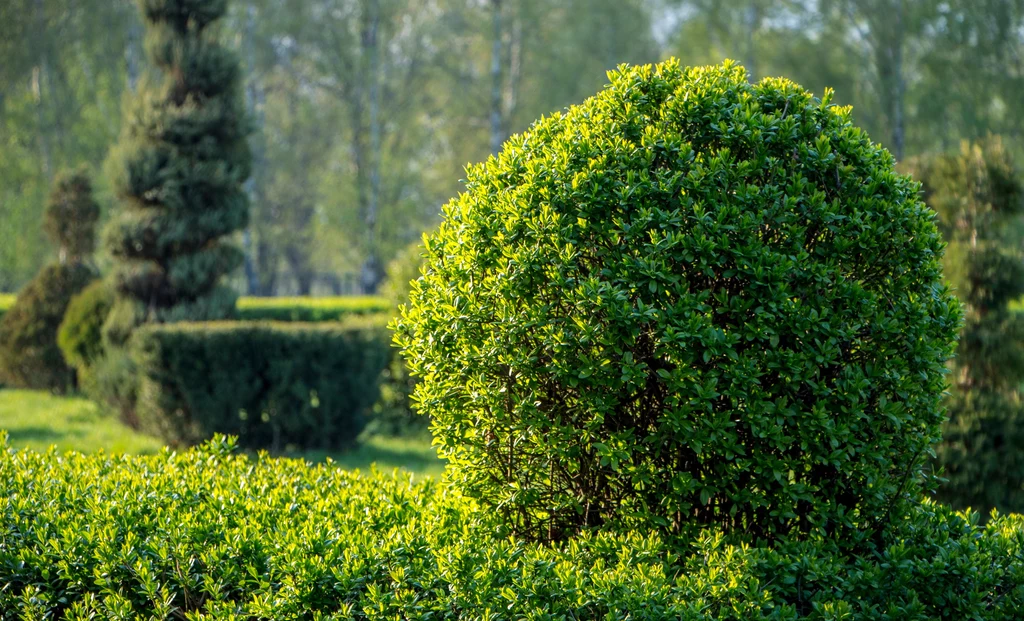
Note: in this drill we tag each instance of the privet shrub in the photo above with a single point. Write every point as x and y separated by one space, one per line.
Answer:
29 355
689 302
978 193
277 386
206 535
309 309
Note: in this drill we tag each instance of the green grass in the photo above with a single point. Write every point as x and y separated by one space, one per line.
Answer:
37 420
6 302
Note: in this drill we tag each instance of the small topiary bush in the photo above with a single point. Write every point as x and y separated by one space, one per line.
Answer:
275 386
204 535
29 355
688 303
80 336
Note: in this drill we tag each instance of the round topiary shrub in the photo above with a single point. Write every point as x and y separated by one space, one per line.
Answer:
80 336
688 302
29 356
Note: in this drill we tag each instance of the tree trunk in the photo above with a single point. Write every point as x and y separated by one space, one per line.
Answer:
497 132
371 273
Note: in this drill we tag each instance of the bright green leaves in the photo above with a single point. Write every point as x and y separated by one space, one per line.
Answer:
689 301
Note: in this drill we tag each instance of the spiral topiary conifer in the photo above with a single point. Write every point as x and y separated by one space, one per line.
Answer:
688 303
29 355
178 171
979 196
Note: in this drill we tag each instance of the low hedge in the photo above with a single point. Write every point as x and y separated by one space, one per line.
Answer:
206 534
309 308
274 385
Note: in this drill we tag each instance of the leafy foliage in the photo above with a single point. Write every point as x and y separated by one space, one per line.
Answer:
177 170
979 196
80 336
71 215
29 356
204 534
689 302
278 386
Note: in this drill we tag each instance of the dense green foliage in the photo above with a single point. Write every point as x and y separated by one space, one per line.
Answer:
71 215
205 535
6 302
308 308
80 336
29 355
978 193
689 302
178 171
278 386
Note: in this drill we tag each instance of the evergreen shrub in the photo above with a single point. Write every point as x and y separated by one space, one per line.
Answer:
275 386
687 303
29 355
204 534
80 336
177 171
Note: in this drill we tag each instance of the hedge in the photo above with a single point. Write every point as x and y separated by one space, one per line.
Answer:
274 385
309 308
206 534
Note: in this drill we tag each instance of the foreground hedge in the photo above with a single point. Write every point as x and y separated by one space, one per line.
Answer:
274 385
205 534
309 308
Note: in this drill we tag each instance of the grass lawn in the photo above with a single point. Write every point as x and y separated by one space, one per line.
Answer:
37 420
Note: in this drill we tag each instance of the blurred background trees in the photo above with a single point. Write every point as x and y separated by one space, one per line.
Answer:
365 111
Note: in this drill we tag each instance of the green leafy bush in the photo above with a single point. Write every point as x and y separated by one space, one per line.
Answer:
309 309
204 534
71 215
29 356
689 302
80 336
285 385
978 193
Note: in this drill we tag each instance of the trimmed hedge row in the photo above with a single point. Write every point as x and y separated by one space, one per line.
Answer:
205 534
309 309
274 385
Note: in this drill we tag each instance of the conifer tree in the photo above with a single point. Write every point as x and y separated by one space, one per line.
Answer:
178 171
979 197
